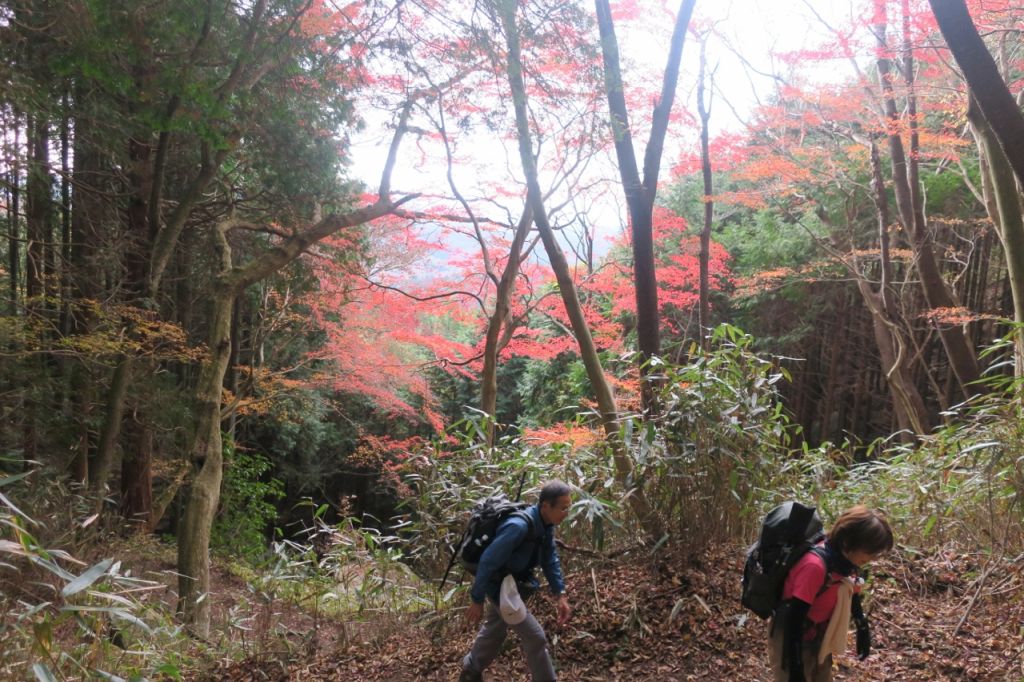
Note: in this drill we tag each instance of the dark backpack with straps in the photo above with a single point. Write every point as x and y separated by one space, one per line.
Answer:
788 532
484 520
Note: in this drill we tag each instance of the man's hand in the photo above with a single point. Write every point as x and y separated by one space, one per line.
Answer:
474 613
564 610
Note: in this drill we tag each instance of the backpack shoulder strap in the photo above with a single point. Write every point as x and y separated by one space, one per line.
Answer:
820 552
535 534
535 530
522 514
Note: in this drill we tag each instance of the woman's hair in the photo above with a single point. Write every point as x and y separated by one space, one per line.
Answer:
861 529
552 490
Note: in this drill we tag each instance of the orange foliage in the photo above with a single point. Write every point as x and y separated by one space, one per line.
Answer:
574 435
953 317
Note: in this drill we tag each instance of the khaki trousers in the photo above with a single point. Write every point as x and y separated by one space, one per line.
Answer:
813 671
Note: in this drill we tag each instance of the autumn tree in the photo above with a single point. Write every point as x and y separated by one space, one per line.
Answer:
641 192
681 260
464 125
910 200
506 18
808 158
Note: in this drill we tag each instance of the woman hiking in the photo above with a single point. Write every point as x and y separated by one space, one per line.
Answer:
820 594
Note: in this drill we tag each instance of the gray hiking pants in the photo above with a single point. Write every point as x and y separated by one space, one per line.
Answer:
492 635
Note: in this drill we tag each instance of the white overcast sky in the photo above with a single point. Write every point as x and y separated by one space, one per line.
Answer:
758 27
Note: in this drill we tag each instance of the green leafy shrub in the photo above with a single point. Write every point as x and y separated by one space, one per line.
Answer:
343 571
246 505
459 470
962 484
721 436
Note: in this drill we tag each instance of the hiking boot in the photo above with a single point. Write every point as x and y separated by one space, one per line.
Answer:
470 676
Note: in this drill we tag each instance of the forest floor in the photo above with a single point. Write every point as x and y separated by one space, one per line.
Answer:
949 616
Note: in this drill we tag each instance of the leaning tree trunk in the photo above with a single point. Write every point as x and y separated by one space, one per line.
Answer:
206 455
982 75
911 413
567 287
893 347
1006 214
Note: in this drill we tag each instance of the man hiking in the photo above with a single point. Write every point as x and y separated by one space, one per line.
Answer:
518 547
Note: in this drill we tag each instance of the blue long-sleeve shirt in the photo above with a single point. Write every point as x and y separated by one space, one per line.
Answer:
512 552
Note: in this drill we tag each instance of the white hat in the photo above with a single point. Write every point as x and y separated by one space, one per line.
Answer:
512 608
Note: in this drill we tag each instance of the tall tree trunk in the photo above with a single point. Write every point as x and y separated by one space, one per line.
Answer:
103 463
206 455
137 233
1005 211
704 316
208 462
232 379
137 474
82 390
38 214
640 194
184 293
69 368
66 288
649 520
833 361
38 206
982 75
893 349
137 439
909 203
14 219
86 242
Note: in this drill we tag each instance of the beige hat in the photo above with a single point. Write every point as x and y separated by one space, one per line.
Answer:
512 608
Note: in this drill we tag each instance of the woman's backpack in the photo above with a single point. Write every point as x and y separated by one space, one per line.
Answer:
787 533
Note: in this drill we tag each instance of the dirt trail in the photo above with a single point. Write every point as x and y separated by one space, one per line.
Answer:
659 623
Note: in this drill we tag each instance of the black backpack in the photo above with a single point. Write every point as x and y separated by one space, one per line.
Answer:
483 524
787 533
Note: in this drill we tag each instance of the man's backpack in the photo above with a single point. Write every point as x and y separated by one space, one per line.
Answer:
787 533
483 524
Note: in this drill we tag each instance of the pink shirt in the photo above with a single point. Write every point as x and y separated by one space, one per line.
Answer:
804 582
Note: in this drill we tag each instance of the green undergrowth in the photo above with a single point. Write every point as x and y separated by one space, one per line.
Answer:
79 601
63 617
